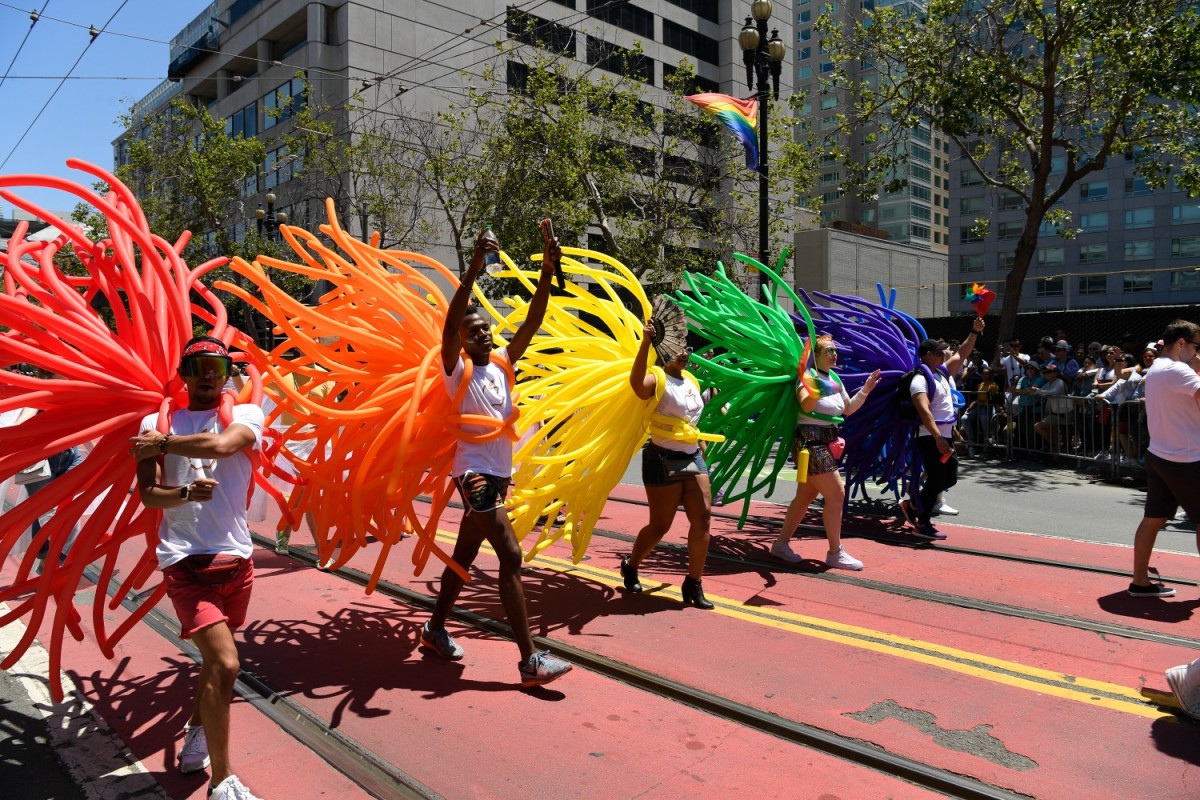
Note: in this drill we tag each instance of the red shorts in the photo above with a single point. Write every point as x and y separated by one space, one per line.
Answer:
199 606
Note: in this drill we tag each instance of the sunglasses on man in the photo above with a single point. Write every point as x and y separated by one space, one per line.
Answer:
203 364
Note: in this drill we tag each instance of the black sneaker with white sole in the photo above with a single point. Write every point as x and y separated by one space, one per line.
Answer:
1150 590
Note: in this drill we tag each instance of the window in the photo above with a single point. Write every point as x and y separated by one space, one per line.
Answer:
1185 247
537 32
1137 186
1011 202
971 263
966 235
1093 284
1137 282
1051 257
804 35
970 177
804 53
243 122
623 15
1050 287
1011 230
919 192
704 48
697 83
1094 223
920 211
826 66
804 71
618 60
970 205
704 9
829 123
1139 251
1058 165
1139 218
283 102
804 16
1095 190
518 77
1188 213
1093 253
917 172
831 178
919 152
1005 260
920 231
1185 280
828 103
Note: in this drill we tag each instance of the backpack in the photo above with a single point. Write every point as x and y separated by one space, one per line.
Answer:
904 403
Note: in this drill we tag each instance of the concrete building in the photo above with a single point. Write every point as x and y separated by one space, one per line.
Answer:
239 58
1135 247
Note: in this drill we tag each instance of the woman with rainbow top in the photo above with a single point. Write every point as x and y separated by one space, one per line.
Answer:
823 404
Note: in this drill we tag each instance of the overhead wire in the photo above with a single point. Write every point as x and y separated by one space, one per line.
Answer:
94 35
34 16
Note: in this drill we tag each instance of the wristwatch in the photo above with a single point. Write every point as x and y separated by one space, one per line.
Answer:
183 493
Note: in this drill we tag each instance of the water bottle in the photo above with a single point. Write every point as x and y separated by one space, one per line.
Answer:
491 260
802 466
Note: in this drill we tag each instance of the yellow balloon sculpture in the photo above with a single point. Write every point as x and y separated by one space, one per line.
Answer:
574 386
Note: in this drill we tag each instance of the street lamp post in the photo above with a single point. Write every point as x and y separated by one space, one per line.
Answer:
269 220
764 59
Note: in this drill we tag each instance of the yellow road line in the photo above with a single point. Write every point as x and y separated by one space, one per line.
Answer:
1056 684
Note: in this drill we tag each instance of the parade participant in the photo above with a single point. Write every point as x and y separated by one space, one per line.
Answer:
196 469
1173 458
673 470
935 413
482 469
822 392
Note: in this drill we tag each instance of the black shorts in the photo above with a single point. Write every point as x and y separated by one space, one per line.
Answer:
654 473
480 491
1171 484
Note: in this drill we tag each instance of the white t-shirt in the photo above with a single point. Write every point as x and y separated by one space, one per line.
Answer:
832 405
1014 365
681 399
219 525
941 404
488 396
1172 412
1055 392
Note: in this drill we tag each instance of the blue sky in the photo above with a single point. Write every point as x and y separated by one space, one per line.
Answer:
127 60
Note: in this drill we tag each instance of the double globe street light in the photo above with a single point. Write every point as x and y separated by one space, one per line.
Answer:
270 220
764 60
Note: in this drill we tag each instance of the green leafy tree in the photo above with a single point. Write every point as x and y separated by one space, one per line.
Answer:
1036 95
661 182
189 175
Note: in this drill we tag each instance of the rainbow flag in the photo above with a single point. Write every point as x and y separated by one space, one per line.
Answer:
740 116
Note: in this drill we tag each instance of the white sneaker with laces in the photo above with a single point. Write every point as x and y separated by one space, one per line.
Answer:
193 756
944 509
842 560
1185 684
230 789
783 551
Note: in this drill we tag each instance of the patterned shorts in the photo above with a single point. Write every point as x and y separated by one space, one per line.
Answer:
817 438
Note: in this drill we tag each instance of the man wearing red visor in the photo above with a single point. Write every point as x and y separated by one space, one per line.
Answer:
199 473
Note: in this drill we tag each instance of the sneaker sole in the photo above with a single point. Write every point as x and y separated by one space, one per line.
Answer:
843 566
199 768
428 645
1167 592
1174 676
529 683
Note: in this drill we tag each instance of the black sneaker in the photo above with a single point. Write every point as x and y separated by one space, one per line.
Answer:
927 531
1152 590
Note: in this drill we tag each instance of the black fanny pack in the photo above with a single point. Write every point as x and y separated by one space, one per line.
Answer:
676 465
211 569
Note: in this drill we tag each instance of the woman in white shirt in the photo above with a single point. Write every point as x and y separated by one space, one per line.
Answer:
822 396
673 468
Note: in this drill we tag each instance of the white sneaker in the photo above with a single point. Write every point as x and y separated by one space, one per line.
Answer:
230 789
783 551
945 509
193 755
1185 684
842 560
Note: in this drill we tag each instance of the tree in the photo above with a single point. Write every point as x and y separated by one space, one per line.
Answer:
1023 87
662 184
190 175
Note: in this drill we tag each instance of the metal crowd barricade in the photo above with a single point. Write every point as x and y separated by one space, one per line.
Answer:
1094 437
